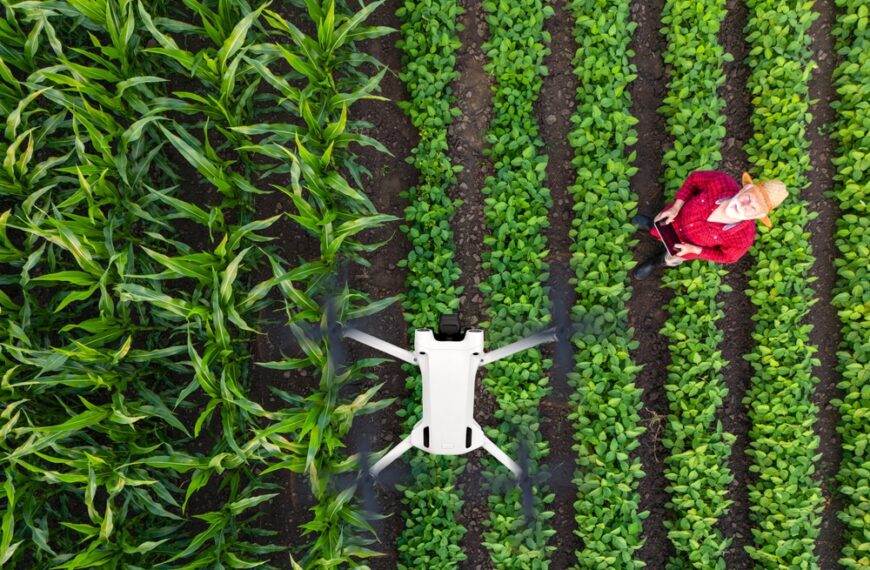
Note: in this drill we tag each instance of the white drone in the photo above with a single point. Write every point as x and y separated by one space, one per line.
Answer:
448 361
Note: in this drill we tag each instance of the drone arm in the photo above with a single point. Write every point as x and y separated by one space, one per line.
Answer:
547 335
379 344
394 454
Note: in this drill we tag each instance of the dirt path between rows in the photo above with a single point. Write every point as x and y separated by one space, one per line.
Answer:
646 312
553 110
737 323
466 144
826 325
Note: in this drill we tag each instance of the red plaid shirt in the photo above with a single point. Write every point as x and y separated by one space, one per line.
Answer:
702 192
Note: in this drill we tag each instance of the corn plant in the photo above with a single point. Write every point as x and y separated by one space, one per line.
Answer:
91 235
309 431
515 208
786 499
606 400
83 409
852 299
429 42
315 153
697 467
330 68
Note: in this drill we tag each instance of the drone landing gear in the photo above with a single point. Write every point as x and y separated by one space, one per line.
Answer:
502 457
394 454
405 445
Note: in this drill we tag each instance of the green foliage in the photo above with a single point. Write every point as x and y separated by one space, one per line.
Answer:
786 498
697 467
516 208
130 249
852 293
431 536
606 401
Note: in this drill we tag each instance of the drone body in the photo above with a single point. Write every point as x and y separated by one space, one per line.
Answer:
448 363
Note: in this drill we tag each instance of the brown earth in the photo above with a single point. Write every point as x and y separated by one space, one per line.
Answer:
554 110
390 176
826 325
646 312
737 324
465 140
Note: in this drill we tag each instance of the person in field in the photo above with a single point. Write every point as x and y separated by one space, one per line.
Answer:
711 218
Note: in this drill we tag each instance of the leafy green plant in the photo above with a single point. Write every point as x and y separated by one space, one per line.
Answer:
697 467
516 209
852 296
786 498
85 382
429 42
606 400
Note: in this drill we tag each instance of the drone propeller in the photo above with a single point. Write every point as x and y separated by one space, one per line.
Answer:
332 298
526 482
502 483
560 311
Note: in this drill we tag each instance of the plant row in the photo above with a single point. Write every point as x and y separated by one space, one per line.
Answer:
852 293
697 467
333 210
429 40
516 207
785 499
134 297
606 400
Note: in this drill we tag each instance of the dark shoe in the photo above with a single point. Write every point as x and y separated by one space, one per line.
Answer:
643 222
646 268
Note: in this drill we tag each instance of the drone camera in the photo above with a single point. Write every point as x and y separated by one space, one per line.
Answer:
450 328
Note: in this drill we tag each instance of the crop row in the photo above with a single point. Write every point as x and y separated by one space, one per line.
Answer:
127 310
606 400
785 499
309 431
516 207
852 294
697 467
429 40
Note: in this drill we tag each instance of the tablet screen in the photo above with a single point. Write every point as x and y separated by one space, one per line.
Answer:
668 235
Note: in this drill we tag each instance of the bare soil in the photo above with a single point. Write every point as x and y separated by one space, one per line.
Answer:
554 110
646 314
826 325
473 90
390 176
737 324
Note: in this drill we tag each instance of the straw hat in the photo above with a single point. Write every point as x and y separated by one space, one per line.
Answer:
772 193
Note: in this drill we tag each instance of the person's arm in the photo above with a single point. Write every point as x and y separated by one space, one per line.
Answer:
728 253
723 254
697 182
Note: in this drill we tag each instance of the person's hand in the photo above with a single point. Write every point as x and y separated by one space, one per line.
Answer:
684 249
667 216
